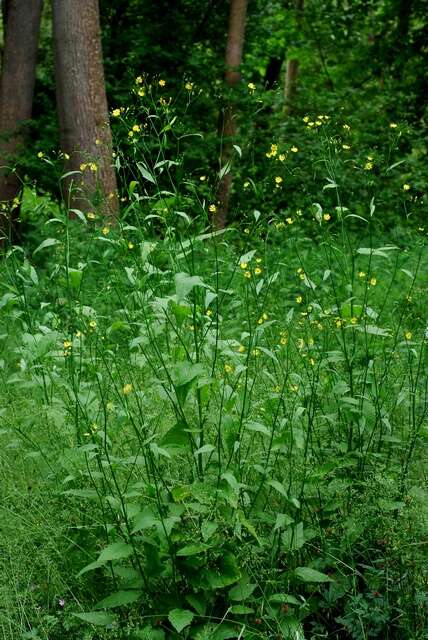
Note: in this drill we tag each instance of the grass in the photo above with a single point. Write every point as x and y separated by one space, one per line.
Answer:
213 435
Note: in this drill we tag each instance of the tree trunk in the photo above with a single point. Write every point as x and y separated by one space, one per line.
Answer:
22 25
82 107
292 68
227 129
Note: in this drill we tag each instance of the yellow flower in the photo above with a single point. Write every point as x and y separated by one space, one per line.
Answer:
115 113
362 274
346 127
289 220
247 274
265 316
299 299
141 92
368 166
258 260
130 245
98 142
40 154
354 320
408 335
318 123
281 157
209 313
255 352
294 388
162 83
106 231
283 340
188 86
294 149
139 80
93 166
202 178
67 344
273 151
91 215
212 208
66 156
346 146
241 348
393 125
246 184
93 324
83 166
228 368
278 180
306 119
257 271
338 323
406 187
251 87
131 134
127 389
373 282
136 128
276 388
327 216
243 265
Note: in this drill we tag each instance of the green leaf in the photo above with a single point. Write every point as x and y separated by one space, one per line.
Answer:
240 609
192 549
184 284
180 618
144 520
146 174
311 575
96 617
49 242
241 591
115 551
118 599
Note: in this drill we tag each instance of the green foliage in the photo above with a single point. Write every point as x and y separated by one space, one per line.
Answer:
219 434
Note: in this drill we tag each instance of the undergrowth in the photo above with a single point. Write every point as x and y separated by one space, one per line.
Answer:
214 434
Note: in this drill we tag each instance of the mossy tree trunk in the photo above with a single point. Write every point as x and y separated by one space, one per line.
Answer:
21 19
85 133
227 129
292 67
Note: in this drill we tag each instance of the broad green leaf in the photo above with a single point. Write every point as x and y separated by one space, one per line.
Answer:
99 618
180 618
118 599
240 609
145 173
192 549
115 551
241 591
311 575
49 242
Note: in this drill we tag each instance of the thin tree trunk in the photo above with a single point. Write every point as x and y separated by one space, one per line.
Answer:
227 130
85 133
292 68
22 26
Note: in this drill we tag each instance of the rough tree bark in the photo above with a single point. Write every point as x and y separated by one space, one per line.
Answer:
18 74
85 133
292 69
227 129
